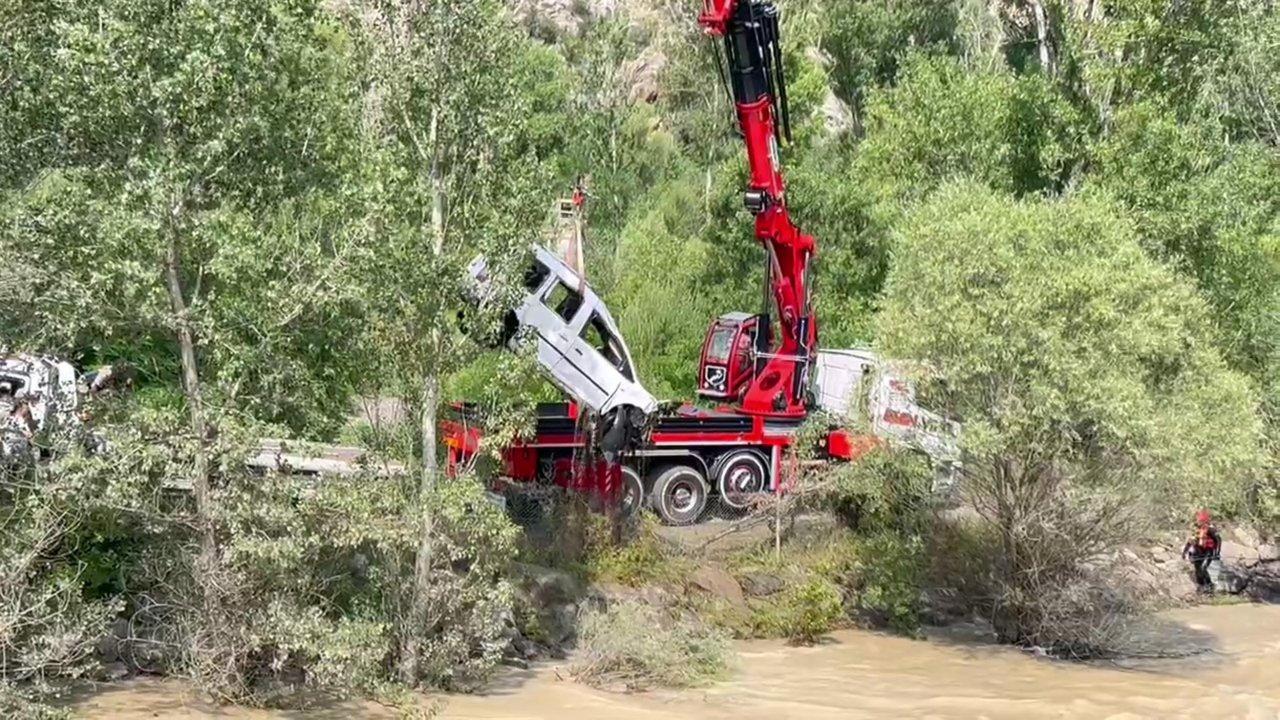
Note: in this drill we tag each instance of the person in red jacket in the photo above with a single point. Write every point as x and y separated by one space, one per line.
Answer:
1202 549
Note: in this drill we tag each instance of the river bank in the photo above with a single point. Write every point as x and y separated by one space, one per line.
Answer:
956 673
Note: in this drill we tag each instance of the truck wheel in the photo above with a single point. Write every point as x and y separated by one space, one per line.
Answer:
632 493
741 477
680 495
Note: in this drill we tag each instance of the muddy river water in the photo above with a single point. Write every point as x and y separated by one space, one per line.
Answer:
865 675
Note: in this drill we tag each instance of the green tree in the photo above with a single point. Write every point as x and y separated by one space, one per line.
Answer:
177 194
1084 372
1014 133
870 41
1211 210
449 172
1243 86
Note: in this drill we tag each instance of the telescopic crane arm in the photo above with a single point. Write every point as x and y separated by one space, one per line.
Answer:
750 32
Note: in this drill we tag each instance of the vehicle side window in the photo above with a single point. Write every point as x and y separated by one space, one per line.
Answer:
534 275
596 334
563 301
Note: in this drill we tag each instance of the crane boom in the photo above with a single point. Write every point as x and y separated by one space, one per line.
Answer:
774 381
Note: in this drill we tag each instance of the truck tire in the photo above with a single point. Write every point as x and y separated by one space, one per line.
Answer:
740 477
632 493
680 495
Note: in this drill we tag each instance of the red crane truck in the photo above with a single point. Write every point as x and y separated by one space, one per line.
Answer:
764 370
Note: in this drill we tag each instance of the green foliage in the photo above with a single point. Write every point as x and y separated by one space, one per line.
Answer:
1063 346
583 542
663 316
637 646
802 614
890 576
1242 86
870 41
1139 50
1211 210
321 574
54 604
1087 379
886 489
1012 132
835 205
642 559
211 134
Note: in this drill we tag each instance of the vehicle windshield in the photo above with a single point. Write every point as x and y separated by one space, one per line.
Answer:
721 344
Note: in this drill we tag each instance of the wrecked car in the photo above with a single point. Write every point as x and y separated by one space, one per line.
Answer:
578 344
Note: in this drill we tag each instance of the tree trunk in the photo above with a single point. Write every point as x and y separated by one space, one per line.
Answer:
429 400
191 387
425 556
1042 37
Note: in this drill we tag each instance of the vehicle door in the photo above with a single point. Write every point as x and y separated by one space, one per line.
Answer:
587 365
556 314
600 355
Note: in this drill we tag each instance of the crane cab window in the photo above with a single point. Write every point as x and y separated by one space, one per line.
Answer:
596 334
563 301
721 344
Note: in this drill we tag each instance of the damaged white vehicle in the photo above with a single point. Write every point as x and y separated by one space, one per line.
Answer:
38 395
578 344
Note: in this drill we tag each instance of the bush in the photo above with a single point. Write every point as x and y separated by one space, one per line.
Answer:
891 574
643 557
802 614
320 575
888 488
50 622
638 646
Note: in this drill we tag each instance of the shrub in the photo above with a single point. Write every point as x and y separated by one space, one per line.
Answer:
638 646
320 573
802 614
51 615
886 488
642 558
891 575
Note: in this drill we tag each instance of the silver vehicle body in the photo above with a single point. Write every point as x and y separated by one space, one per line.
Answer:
578 342
47 386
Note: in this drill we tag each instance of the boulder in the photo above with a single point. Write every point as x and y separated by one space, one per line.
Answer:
1264 583
1236 553
640 75
719 584
836 115
1244 536
759 584
1227 578
546 586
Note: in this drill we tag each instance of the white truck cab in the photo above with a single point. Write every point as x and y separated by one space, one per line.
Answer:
858 383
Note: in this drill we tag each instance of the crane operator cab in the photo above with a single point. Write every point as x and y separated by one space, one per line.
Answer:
731 353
